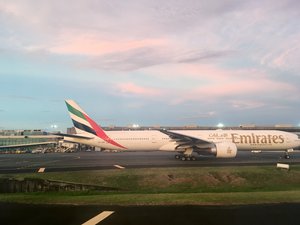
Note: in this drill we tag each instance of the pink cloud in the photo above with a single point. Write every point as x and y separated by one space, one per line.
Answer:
89 44
283 57
230 89
215 83
244 87
286 58
10 8
130 89
209 72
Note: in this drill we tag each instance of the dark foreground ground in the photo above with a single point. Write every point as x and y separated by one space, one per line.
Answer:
275 214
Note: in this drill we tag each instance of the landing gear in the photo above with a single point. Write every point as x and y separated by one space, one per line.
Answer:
184 157
287 156
187 158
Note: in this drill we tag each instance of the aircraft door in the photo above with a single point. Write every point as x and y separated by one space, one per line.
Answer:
153 138
287 139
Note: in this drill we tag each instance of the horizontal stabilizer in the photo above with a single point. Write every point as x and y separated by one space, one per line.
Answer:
28 145
72 135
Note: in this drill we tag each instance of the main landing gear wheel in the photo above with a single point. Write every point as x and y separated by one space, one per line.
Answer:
185 157
177 156
188 158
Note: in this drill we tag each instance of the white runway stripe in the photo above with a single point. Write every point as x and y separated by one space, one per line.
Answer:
41 170
119 167
98 218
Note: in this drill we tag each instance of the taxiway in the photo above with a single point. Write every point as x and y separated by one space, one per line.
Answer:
18 163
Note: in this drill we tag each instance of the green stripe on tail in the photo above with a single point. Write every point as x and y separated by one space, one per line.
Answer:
75 111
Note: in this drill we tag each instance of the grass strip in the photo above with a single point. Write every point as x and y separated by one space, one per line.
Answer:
155 199
171 186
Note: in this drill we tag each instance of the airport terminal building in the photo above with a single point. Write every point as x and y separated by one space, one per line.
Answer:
26 140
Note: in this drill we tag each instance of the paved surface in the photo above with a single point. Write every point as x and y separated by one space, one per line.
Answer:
17 163
70 214
276 214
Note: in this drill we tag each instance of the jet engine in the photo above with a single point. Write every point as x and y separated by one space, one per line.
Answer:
224 150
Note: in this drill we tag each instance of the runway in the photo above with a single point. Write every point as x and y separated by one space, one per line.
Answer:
182 214
20 163
273 214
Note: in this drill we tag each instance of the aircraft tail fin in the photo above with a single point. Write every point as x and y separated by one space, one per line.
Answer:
84 125
82 122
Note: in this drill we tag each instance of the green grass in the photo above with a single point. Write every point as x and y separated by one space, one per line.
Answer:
193 185
155 199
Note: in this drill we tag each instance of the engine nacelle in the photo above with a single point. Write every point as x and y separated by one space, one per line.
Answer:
225 150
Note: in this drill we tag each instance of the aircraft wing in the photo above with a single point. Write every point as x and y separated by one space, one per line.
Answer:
185 141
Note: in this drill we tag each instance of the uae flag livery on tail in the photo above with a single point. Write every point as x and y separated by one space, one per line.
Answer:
84 125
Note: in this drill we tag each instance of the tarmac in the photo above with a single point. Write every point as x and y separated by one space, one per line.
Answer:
13 213
274 214
20 163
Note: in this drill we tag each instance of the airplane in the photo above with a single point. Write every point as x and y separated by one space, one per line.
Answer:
220 143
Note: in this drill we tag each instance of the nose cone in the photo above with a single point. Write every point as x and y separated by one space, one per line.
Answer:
297 140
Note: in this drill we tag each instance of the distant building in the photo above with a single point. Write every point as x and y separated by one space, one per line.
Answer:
247 125
283 125
71 130
26 139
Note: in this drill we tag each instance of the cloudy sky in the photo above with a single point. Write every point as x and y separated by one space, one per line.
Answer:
171 62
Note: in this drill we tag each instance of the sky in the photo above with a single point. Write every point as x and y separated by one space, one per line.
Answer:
167 63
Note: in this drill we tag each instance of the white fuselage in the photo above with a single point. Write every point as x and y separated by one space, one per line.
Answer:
156 140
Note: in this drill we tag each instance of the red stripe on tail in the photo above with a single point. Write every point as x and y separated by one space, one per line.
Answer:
101 134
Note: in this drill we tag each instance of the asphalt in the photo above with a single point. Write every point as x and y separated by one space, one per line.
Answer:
270 214
20 163
12 213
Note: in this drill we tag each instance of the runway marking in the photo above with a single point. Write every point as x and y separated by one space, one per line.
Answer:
119 167
41 170
283 166
98 218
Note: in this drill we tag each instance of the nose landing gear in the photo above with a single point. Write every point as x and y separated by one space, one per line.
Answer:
286 155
